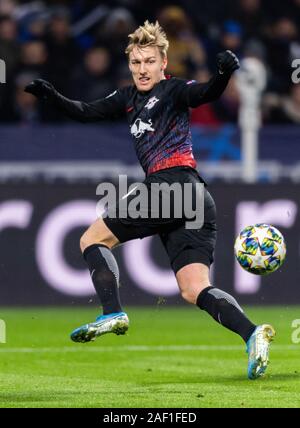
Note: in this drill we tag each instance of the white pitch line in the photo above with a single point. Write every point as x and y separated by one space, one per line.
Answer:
139 348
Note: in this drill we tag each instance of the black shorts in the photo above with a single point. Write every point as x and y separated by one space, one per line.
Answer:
184 246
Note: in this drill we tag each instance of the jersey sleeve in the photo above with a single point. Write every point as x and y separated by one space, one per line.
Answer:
110 107
193 94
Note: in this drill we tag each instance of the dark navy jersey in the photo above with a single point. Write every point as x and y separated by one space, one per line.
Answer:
158 119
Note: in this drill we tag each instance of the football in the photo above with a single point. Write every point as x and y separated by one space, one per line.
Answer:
260 249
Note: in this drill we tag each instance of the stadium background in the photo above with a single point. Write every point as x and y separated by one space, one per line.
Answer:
50 166
174 355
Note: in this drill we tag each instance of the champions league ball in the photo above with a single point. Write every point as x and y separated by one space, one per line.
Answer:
260 249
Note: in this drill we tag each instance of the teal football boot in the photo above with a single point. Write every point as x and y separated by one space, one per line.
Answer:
113 323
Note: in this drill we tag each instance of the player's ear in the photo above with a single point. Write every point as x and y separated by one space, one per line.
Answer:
164 63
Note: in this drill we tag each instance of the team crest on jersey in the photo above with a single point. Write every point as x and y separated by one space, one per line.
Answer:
139 127
151 103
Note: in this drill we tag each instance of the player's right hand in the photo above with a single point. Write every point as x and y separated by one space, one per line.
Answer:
40 88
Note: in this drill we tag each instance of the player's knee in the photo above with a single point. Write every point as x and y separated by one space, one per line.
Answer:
89 238
189 295
84 242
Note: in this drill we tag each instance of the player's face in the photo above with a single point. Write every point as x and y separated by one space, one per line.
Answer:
147 67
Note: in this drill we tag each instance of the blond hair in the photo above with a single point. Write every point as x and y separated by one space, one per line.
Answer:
148 35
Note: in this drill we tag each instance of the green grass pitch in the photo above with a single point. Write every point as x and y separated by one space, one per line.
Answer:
170 357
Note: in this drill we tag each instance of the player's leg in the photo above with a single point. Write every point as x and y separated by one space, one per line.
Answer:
191 254
195 288
96 244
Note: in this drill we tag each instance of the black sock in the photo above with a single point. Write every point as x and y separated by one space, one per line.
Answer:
105 276
226 311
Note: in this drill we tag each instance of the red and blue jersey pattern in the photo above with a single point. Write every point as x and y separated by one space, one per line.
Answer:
159 120
159 125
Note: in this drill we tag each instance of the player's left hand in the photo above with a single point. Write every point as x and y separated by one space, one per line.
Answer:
40 88
227 62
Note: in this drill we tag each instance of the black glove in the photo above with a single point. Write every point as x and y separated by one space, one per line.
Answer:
227 62
40 88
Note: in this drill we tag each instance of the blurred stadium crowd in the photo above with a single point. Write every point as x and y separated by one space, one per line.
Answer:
79 47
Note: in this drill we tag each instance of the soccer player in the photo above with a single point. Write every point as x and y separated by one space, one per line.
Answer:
157 109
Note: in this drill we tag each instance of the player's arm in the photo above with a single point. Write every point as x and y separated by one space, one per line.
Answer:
110 107
195 94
